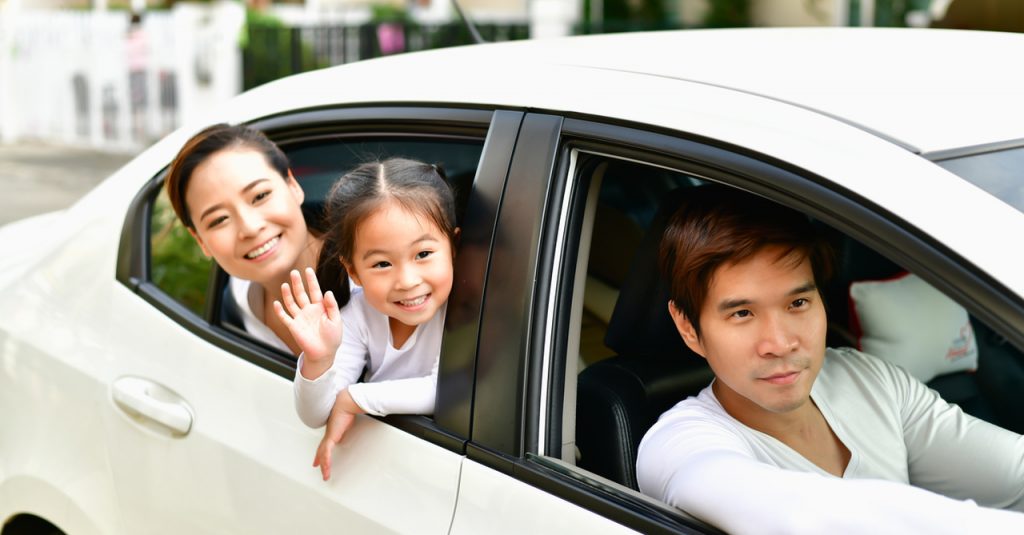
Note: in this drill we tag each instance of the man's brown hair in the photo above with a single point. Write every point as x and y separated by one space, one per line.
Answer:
718 225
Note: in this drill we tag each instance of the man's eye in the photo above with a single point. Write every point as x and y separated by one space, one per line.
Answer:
423 254
741 314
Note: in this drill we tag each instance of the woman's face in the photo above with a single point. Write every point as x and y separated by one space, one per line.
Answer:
247 216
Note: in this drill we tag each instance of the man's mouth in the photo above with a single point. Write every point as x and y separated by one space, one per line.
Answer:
783 378
263 249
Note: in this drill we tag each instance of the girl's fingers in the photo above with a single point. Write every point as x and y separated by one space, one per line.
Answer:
331 306
284 317
289 301
300 291
314 286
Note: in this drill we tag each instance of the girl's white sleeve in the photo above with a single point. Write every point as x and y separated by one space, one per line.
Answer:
414 395
314 398
726 486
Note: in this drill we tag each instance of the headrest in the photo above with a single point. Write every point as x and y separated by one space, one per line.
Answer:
640 324
909 323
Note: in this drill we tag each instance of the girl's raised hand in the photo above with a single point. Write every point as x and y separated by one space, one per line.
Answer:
314 321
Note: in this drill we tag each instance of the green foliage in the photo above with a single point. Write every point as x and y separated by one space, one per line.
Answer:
728 14
177 265
389 13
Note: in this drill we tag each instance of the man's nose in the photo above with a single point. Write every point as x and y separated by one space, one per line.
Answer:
777 338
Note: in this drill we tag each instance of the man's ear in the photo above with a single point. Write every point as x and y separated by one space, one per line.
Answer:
200 242
686 330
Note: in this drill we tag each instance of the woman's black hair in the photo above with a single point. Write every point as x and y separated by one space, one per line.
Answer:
419 187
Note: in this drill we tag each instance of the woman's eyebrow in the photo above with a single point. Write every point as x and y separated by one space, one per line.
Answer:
217 206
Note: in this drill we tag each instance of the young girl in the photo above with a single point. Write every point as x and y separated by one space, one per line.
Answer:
232 189
392 230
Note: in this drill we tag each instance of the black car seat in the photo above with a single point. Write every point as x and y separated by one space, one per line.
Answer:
619 398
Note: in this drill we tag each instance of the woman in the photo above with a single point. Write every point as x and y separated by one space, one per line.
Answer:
232 189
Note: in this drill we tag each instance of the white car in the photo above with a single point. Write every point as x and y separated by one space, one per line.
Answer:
130 403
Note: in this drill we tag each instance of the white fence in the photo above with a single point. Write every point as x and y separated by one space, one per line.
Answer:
67 77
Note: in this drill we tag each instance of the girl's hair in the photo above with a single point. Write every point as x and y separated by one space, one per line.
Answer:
208 142
419 187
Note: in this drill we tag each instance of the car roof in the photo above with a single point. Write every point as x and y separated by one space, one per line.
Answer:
926 90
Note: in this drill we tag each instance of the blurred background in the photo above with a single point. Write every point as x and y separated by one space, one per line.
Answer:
99 80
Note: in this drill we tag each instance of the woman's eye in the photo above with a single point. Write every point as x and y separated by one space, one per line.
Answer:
260 196
800 303
423 254
217 221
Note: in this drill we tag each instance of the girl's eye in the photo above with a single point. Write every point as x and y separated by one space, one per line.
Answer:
382 264
423 254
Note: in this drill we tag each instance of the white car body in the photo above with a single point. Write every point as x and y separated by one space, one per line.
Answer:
74 341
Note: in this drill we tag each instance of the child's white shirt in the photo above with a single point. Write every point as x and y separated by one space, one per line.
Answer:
397 380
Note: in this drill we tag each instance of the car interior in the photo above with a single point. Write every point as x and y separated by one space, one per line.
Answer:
633 365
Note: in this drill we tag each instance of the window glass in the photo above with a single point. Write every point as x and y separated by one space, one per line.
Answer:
995 172
178 266
626 365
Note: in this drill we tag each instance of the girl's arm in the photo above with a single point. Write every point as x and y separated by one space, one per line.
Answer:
414 395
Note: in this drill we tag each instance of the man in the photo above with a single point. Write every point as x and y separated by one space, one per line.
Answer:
791 437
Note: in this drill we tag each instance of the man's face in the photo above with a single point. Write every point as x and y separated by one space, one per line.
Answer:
762 332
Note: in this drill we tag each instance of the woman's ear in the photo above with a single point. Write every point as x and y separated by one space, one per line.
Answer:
199 240
295 188
686 330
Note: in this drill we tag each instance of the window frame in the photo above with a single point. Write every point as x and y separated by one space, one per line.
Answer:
449 427
535 334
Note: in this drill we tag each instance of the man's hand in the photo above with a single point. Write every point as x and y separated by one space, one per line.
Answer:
314 321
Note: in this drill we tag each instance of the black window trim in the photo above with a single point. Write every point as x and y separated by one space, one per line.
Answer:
436 122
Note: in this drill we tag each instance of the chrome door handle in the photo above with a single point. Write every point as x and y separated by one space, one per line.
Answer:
142 397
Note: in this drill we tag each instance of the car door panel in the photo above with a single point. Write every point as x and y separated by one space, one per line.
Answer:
246 464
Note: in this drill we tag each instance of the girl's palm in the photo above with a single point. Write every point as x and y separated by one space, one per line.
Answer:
312 318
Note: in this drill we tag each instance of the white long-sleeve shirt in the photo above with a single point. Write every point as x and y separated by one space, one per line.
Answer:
397 380
700 459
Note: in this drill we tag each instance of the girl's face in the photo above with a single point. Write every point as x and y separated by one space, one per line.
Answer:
247 216
403 261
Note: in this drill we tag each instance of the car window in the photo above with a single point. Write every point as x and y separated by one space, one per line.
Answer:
625 364
178 267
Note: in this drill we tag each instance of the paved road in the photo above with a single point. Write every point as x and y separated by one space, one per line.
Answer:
37 178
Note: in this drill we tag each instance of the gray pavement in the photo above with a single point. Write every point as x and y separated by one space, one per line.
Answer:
37 178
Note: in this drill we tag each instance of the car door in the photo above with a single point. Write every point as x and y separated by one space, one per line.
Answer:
205 438
570 372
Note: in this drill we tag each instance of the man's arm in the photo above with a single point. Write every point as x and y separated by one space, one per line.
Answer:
956 454
711 476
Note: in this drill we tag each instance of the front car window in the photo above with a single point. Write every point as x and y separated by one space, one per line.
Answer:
998 173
